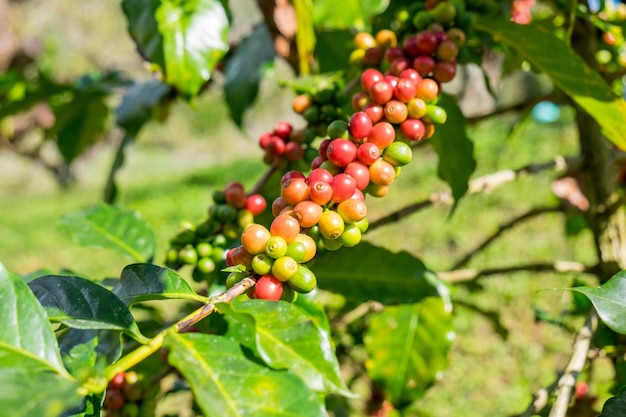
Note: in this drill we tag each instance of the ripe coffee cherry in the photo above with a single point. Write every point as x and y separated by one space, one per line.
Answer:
360 99
341 152
382 134
427 90
386 38
358 195
444 71
369 77
392 80
409 46
303 281
293 151
405 90
331 224
411 74
343 186
319 174
114 399
330 167
360 125
310 247
416 108
364 40
256 204
382 172
381 91
283 268
264 140
447 51
424 65
301 103
118 381
395 112
391 54
240 256
276 146
254 238
276 247
323 147
321 192
373 56
234 195
307 213
352 210
398 65
295 190
268 288
374 112
413 129
278 205
285 226
283 129
368 153
426 42
291 174
360 172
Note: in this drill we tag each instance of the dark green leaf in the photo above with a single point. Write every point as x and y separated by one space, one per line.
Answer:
25 330
18 93
83 304
243 71
333 48
408 348
111 227
227 384
80 123
144 29
615 406
348 13
286 338
568 71
455 150
142 282
361 275
138 104
195 38
609 299
30 390
85 351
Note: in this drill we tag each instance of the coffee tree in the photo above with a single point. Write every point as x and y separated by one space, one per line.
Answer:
288 309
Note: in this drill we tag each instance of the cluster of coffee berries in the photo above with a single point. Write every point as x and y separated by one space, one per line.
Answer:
204 245
320 105
123 395
285 145
611 53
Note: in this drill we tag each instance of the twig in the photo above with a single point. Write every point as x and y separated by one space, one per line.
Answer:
471 274
518 107
266 176
485 183
575 365
540 399
534 212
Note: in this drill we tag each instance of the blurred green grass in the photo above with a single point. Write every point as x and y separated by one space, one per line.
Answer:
173 168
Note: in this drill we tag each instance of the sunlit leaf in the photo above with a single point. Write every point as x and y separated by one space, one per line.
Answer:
195 38
111 227
143 27
567 70
408 348
348 13
227 384
286 338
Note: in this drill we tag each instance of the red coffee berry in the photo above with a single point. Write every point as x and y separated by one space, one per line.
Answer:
374 112
319 174
343 186
307 213
369 77
341 152
382 134
285 226
283 129
293 151
426 42
294 190
323 147
424 65
268 288
405 89
445 71
368 153
320 192
382 172
234 195
391 54
427 90
276 146
398 65
256 204
395 112
411 74
413 129
360 125
381 92
360 172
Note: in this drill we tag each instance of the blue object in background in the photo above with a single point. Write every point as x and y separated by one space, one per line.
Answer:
546 112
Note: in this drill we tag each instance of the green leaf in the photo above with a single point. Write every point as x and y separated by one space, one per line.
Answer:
333 48
360 275
305 34
82 304
144 29
226 384
138 104
455 149
286 338
111 227
243 71
86 351
195 38
615 406
30 390
25 329
568 72
346 14
609 299
143 282
408 348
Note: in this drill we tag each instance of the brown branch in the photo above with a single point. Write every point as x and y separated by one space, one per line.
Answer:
534 212
464 275
555 96
261 182
280 19
207 309
577 361
485 183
